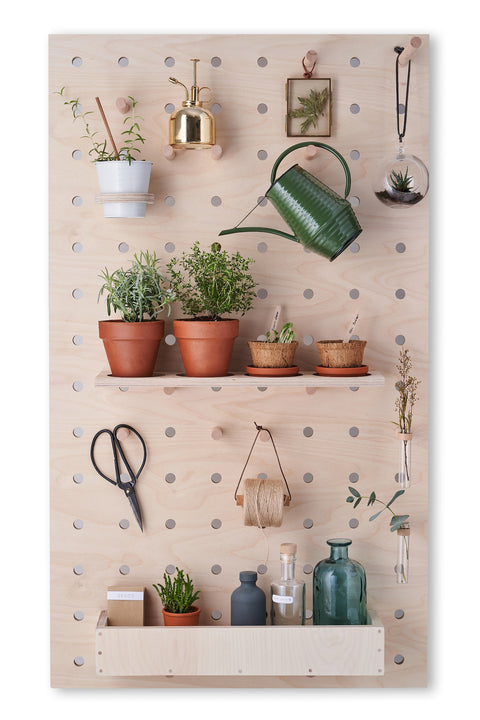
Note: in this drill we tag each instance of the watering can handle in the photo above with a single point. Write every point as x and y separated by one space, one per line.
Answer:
348 180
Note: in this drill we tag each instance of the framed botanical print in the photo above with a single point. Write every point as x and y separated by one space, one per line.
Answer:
309 107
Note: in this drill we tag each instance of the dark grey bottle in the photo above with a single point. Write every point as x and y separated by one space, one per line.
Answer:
248 602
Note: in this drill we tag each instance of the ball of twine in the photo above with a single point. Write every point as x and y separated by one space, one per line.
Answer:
263 502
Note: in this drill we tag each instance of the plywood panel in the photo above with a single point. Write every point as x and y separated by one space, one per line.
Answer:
330 454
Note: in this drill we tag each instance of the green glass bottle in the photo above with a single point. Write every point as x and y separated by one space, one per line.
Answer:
339 588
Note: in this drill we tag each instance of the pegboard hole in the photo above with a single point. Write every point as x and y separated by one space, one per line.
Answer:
123 61
79 661
399 614
262 62
216 615
354 431
78 570
77 201
77 294
308 431
399 659
169 108
308 614
400 293
401 109
77 154
78 524
216 61
262 108
354 388
169 61
216 523
354 108
354 62
216 478
170 201
123 247
124 570
353 477
308 294
78 432
400 247
308 340
308 477
77 61
216 108
262 569
170 524
262 155
354 293
354 247
169 247
353 523
216 201
170 432
308 569
354 154
216 388
170 339
77 386
216 569
354 201
262 293
400 339
77 247
262 247
79 615
124 524
262 201
170 477
78 478
170 569
308 523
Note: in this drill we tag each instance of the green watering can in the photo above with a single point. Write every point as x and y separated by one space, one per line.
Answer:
321 220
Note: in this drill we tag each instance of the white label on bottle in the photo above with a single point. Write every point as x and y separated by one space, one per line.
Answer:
285 599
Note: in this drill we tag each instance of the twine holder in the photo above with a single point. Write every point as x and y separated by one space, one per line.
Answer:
263 499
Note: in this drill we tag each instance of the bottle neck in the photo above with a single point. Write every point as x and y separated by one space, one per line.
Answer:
339 552
287 567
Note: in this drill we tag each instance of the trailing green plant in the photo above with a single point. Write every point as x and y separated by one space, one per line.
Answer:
286 334
211 283
138 293
131 136
177 595
401 181
312 107
396 520
407 389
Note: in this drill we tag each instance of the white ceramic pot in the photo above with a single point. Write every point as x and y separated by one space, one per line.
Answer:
120 176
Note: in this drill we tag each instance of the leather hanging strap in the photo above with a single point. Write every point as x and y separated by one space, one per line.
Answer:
259 430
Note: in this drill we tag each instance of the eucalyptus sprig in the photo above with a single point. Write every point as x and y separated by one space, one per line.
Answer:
396 521
407 389
177 595
312 108
138 293
210 283
286 334
98 151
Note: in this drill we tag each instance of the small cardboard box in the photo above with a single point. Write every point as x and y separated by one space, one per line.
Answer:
125 605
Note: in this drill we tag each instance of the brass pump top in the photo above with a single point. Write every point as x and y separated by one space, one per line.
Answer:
195 91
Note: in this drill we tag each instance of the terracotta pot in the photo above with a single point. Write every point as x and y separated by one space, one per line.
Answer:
131 348
272 355
337 354
189 618
206 345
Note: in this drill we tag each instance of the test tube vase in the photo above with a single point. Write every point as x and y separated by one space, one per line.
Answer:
404 475
403 553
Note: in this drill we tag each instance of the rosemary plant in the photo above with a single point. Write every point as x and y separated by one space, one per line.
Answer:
210 283
138 293
177 595
99 153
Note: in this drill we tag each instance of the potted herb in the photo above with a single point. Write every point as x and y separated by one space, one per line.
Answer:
406 387
178 596
139 294
275 354
119 170
209 284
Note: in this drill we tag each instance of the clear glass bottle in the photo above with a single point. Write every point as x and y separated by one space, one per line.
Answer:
405 459
287 594
403 553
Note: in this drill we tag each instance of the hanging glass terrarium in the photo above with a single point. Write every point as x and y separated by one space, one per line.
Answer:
402 181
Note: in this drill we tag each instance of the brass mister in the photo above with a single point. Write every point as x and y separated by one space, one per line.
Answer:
193 126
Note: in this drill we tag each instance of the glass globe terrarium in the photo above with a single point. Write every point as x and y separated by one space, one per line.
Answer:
402 182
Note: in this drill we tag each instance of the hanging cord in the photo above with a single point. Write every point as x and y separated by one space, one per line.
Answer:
259 429
401 135
308 73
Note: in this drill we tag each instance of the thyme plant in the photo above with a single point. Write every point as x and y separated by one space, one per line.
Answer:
99 153
138 293
407 390
211 283
177 595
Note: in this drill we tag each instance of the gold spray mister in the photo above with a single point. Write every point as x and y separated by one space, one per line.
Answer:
192 127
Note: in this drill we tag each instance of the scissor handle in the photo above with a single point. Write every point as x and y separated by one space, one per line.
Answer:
114 451
133 477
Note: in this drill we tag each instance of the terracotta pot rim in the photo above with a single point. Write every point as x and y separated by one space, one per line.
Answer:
206 329
194 611
122 330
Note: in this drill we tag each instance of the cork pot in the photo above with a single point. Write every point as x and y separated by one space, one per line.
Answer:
131 347
272 355
188 618
337 354
206 346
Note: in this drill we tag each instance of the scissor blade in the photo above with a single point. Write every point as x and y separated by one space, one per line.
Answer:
132 498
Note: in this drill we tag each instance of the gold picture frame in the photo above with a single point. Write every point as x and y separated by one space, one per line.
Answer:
306 96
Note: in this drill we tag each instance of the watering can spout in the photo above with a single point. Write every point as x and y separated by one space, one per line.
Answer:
320 219
231 231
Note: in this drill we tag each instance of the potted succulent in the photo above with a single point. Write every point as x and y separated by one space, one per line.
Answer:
275 354
399 189
119 171
139 294
209 284
178 596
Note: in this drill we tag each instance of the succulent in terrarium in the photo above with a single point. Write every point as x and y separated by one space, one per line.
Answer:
402 182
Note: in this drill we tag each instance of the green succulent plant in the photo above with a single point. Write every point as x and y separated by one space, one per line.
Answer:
138 293
210 283
177 595
402 182
286 334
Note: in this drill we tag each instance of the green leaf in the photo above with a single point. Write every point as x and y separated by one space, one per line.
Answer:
371 499
376 514
397 494
354 492
397 521
357 502
349 499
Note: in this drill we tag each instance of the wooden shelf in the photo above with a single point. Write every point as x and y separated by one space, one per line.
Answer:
240 651
179 380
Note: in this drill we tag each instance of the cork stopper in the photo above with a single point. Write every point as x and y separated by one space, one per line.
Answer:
404 531
288 548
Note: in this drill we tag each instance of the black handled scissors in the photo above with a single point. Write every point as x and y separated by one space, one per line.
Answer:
128 487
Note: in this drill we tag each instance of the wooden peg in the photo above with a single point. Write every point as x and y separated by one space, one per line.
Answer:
216 152
168 390
217 433
409 51
168 152
310 152
310 390
123 105
309 62
123 433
